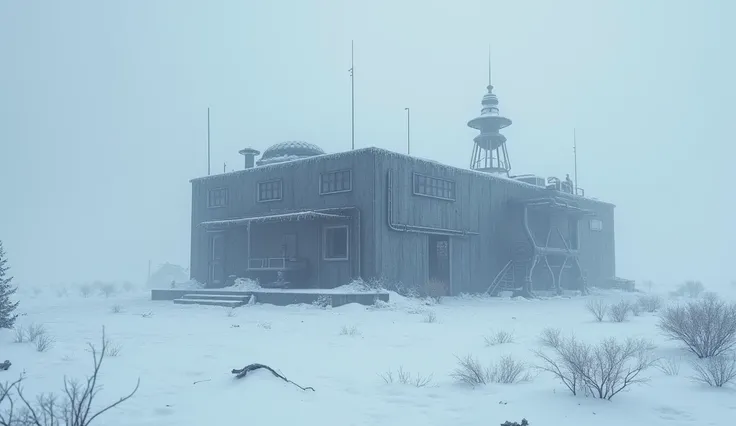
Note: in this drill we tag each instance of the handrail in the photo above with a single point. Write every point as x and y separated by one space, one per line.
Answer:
497 280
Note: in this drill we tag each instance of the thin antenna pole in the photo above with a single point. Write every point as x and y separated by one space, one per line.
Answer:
224 166
489 65
208 142
352 95
408 131
575 152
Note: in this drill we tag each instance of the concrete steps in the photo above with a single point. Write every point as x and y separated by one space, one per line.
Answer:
226 300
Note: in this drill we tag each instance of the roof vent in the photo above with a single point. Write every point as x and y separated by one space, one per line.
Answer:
250 156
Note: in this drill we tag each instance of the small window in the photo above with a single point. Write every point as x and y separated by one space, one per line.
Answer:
336 243
217 197
269 190
596 225
338 181
434 187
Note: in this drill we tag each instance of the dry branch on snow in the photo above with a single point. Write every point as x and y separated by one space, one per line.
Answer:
242 372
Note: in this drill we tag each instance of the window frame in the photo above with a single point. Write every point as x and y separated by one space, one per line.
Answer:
226 197
325 250
453 187
336 172
263 182
597 228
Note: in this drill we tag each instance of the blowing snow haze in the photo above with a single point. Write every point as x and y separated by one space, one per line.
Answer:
103 114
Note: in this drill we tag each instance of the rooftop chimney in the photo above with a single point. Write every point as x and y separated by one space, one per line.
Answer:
250 155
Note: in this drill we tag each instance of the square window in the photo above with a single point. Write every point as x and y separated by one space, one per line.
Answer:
596 225
336 243
337 181
217 197
270 190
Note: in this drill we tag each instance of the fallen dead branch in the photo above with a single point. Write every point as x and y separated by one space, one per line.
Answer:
240 373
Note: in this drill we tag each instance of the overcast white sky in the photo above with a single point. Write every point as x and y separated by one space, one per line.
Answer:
103 113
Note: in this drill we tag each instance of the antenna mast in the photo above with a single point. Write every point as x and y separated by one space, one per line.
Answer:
408 131
208 141
352 95
575 153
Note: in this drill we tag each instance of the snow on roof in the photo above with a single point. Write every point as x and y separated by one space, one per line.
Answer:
382 151
283 217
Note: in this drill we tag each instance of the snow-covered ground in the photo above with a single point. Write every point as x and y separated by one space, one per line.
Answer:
176 346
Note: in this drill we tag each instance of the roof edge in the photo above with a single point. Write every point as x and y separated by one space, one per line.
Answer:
386 152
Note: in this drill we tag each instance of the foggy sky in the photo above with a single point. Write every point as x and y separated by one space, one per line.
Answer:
103 113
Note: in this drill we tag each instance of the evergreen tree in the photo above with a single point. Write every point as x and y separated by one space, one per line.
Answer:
7 307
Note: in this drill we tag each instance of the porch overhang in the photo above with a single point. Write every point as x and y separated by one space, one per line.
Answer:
218 225
556 203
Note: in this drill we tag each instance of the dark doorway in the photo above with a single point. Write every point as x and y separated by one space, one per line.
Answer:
217 259
439 259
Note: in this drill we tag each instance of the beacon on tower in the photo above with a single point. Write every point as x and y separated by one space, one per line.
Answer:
489 152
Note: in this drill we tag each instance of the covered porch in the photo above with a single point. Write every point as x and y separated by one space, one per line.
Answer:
297 249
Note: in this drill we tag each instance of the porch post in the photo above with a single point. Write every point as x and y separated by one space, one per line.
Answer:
247 257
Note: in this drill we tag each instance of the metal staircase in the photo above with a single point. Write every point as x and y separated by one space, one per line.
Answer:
506 279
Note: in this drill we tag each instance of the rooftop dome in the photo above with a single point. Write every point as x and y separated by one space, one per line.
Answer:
288 151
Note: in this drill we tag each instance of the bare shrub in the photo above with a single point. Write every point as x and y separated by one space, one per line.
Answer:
619 312
111 348
44 342
499 338
349 331
598 308
114 349
35 331
524 422
62 292
506 371
322 302
692 288
635 309
716 371
231 313
108 289
669 366
551 337
430 317
19 334
603 370
264 325
116 309
406 378
73 409
650 303
706 326
435 290
85 290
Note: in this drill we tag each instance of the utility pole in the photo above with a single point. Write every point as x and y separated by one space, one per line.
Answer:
352 94
208 141
224 166
408 131
575 153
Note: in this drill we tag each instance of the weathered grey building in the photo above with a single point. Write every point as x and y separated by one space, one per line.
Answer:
316 220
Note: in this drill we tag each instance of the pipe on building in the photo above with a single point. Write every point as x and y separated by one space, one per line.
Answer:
400 227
